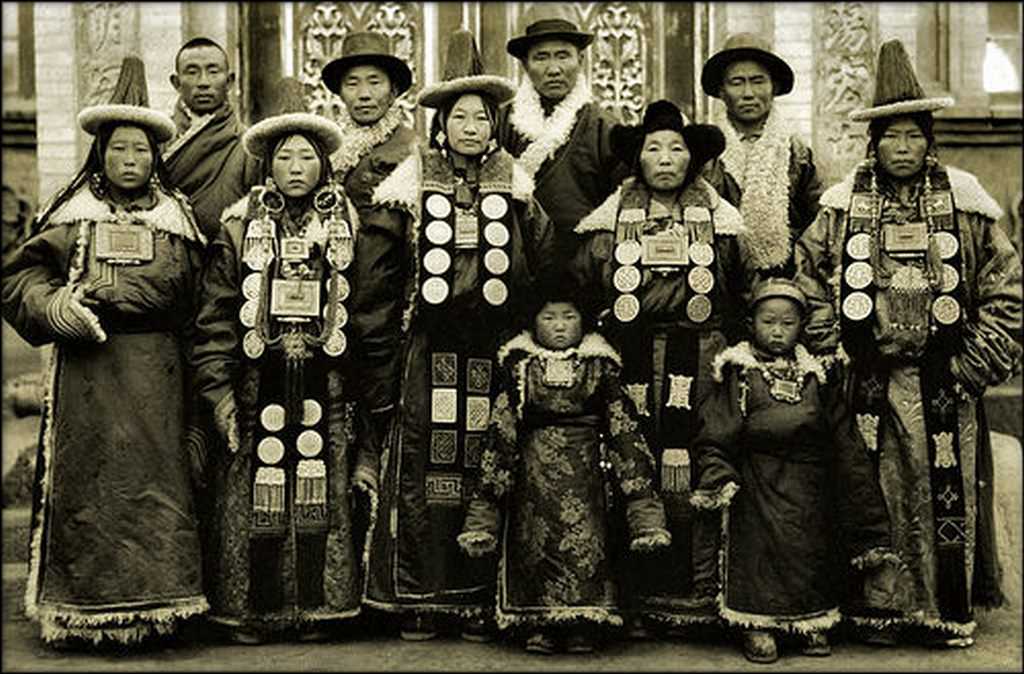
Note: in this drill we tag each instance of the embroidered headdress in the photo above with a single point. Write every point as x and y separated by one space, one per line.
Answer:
547 22
291 117
366 48
464 73
897 91
745 47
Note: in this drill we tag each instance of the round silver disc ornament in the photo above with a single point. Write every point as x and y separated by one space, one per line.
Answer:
496 233
309 443
272 418
626 308
947 244
698 308
701 253
439 232
495 292
251 286
439 205
270 450
701 279
437 261
494 206
946 309
253 345
247 313
627 278
496 261
312 412
859 275
344 289
857 306
859 246
335 344
950 278
435 290
627 252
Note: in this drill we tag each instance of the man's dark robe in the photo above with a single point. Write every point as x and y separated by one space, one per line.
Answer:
212 168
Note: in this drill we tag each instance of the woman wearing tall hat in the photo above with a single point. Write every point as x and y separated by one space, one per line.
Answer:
270 367
474 241
663 249
109 278
911 281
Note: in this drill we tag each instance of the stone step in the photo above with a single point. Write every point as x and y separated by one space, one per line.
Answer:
16 524
15 576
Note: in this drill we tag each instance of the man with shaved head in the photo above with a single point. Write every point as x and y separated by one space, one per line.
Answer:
205 160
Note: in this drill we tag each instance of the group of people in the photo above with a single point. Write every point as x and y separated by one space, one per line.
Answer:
540 374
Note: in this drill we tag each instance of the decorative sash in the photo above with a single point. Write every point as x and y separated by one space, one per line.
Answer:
661 374
448 227
938 238
283 310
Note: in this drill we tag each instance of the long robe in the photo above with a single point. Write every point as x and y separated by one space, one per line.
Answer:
543 468
808 508
908 456
209 165
294 564
667 369
431 460
115 550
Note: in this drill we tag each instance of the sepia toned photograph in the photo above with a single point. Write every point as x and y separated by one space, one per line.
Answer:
512 336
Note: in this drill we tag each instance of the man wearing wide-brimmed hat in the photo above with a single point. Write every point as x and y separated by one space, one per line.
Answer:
910 279
773 168
555 127
369 79
205 159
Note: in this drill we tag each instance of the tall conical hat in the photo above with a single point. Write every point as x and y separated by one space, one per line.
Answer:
464 73
897 91
130 104
290 116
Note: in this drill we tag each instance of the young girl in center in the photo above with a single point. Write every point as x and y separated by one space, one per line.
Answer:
779 451
562 428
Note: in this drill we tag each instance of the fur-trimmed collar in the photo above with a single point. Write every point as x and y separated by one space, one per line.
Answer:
172 213
742 356
968 194
593 345
358 140
761 170
605 217
401 188
546 133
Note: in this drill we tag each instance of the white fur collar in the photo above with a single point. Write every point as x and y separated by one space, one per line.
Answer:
545 133
727 219
358 140
593 345
742 355
402 187
968 194
761 170
171 214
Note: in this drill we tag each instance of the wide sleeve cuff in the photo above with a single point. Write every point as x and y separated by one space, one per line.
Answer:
714 499
69 319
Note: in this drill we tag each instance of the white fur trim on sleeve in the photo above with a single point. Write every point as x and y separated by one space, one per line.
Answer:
602 218
401 188
970 196
522 183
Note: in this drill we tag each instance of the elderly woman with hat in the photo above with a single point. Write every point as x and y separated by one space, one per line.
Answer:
271 366
763 160
663 250
779 449
475 240
910 280
109 278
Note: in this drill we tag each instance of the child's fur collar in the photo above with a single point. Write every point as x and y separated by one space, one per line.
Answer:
742 356
593 345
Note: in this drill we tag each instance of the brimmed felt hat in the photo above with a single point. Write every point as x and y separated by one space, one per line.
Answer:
464 73
362 48
778 287
745 47
704 141
897 91
129 104
291 116
547 22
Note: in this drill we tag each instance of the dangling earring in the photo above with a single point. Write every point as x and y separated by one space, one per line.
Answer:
97 181
492 145
440 138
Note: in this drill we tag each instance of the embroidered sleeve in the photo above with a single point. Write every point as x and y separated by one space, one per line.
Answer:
628 452
817 274
500 451
32 278
992 347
